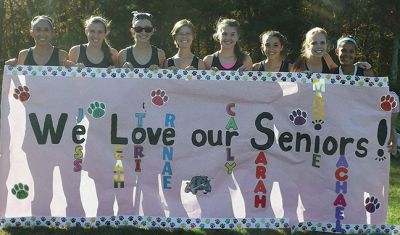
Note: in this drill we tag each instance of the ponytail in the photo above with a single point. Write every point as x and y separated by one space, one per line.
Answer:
239 53
107 52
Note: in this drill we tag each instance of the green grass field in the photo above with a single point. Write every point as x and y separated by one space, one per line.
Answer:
394 193
393 218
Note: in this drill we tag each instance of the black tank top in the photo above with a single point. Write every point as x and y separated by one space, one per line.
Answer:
325 68
153 60
85 60
195 62
359 71
217 64
53 61
284 66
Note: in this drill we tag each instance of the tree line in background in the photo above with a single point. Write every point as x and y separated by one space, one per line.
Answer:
374 23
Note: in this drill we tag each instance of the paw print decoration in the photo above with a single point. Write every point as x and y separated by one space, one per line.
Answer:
97 109
159 97
298 117
372 204
20 191
21 93
388 102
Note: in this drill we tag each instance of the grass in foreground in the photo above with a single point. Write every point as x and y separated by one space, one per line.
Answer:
394 193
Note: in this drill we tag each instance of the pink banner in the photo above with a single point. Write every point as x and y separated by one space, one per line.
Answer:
196 145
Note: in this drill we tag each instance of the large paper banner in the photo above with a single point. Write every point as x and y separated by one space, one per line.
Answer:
205 149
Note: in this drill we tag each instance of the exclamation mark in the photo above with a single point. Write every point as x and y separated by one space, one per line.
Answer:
382 134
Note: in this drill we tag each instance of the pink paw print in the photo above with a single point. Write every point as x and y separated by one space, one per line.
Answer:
388 102
21 93
159 97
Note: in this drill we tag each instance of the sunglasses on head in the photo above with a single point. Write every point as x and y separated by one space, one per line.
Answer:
147 29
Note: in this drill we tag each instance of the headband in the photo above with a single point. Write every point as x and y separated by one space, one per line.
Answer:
140 15
48 19
346 39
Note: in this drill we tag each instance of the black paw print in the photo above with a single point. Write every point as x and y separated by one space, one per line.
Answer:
298 117
372 204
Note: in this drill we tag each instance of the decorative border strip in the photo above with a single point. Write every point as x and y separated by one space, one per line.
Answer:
146 221
347 228
127 73
190 223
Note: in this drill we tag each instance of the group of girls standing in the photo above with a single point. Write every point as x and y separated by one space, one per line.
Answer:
142 54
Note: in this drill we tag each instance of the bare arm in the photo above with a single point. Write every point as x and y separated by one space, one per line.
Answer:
122 58
329 61
256 66
22 56
208 61
247 64
290 67
161 56
114 56
12 61
73 54
369 73
165 65
201 65
63 57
